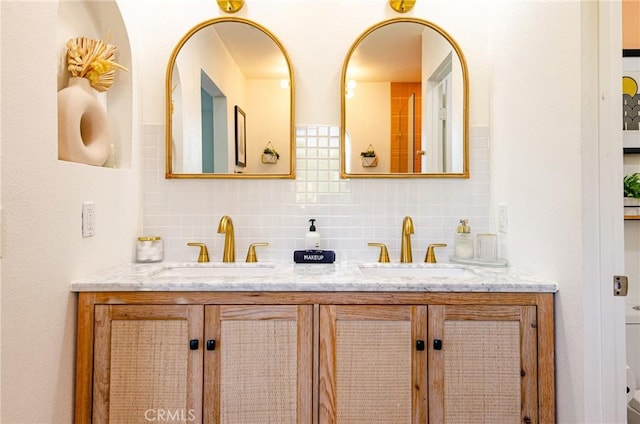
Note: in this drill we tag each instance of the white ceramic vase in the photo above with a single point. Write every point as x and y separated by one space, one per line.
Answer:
83 125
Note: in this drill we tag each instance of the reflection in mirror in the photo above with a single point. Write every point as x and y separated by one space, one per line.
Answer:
229 97
405 103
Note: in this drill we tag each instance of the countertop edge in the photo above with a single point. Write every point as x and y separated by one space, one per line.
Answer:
338 277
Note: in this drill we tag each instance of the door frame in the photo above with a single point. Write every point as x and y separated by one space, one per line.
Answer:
604 367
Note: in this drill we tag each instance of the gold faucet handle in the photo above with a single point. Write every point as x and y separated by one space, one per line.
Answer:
204 253
431 254
251 254
384 253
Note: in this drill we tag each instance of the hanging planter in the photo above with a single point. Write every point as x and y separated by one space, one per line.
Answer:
269 154
369 158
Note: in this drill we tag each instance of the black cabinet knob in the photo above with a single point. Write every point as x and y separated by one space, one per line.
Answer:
437 344
193 344
419 344
211 345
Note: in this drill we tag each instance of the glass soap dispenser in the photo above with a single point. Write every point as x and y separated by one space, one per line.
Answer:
464 241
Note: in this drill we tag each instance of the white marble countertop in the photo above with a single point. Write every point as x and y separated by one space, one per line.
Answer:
340 276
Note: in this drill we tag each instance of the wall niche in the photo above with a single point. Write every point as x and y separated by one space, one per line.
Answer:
100 20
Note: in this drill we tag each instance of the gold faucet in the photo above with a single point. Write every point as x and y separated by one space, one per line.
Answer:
384 253
405 248
431 254
204 253
226 226
251 253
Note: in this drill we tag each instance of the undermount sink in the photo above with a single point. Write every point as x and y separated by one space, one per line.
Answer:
216 270
412 270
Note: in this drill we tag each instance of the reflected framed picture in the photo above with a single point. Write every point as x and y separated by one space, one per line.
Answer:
241 137
631 101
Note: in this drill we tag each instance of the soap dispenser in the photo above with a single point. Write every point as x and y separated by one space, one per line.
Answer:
464 241
312 239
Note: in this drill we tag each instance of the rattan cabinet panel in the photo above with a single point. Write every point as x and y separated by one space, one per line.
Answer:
315 358
485 367
143 367
369 369
261 369
248 364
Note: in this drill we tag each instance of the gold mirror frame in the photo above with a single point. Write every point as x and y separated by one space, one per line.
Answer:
169 174
465 106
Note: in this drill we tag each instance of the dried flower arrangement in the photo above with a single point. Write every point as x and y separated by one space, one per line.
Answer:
93 60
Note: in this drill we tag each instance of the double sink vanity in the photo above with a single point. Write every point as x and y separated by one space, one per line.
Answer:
344 342
315 343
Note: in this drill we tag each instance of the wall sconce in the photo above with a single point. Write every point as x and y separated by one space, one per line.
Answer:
230 6
402 6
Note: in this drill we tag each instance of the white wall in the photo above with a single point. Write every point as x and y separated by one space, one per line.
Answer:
536 136
525 66
42 245
557 163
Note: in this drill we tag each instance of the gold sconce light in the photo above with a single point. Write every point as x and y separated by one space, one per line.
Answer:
401 6
230 6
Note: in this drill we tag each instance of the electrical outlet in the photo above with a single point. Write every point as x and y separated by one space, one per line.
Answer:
502 218
88 219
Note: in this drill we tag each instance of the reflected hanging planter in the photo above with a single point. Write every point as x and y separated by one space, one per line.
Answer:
270 155
369 158
369 162
269 158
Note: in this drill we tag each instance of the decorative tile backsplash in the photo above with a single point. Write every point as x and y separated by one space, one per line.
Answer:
349 213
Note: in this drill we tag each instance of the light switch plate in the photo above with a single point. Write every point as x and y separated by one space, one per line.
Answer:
88 219
502 218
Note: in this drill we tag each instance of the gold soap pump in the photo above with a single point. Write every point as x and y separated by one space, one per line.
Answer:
463 246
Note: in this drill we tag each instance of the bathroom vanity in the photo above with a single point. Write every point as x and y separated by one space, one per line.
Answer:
305 344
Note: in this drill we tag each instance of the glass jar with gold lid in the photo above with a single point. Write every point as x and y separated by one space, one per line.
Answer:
149 249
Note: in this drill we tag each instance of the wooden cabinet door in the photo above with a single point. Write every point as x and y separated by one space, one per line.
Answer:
372 364
482 364
260 369
144 366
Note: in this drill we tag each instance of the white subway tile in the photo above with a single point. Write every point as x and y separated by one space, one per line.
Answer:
350 212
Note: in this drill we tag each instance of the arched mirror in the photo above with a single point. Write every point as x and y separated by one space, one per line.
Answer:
229 94
405 103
